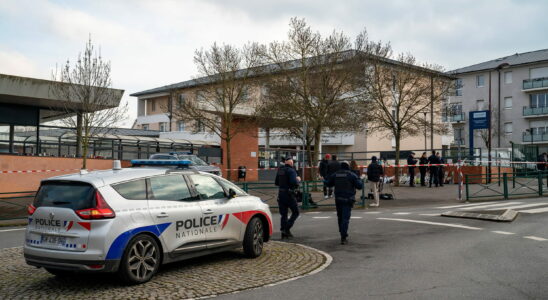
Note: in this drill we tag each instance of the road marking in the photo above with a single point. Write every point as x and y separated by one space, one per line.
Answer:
522 206
462 205
402 213
432 223
355 217
535 238
430 215
372 212
16 229
503 232
492 205
534 210
321 217
313 213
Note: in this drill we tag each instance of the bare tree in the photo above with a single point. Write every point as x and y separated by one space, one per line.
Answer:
313 84
91 103
222 99
400 91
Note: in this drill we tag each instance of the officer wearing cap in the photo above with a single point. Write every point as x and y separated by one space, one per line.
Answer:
287 181
345 182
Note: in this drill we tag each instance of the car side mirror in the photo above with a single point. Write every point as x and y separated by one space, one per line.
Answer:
231 193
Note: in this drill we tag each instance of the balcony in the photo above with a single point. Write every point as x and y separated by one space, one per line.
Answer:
535 84
532 112
453 118
535 138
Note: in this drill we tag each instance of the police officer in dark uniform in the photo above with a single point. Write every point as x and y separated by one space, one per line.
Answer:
423 161
345 182
434 175
411 162
287 181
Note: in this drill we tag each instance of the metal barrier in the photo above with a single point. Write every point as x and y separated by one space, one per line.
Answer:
14 205
505 185
306 187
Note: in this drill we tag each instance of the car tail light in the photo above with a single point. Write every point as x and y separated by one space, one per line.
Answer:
101 210
31 209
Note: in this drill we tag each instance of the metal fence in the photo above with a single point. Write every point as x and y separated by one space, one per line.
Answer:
14 205
506 185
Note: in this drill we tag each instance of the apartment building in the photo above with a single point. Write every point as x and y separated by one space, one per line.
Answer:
515 87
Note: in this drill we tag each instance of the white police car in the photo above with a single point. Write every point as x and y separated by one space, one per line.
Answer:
133 220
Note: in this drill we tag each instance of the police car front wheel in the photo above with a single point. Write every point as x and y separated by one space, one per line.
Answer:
254 238
140 261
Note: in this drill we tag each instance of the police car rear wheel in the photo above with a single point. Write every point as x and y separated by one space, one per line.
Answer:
141 260
254 238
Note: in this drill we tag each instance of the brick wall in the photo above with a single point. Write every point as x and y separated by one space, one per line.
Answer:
243 145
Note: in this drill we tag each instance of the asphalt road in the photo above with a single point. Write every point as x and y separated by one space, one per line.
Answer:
413 253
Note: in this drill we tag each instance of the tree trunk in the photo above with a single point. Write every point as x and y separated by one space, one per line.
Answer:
397 162
317 150
228 160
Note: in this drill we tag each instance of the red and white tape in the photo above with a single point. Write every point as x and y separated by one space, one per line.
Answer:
40 171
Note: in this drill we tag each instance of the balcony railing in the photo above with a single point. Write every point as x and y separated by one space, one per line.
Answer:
534 111
528 138
535 83
453 118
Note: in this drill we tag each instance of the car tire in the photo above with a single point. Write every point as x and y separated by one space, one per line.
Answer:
140 261
254 238
59 273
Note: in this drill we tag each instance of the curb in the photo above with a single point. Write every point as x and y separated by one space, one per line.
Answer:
507 215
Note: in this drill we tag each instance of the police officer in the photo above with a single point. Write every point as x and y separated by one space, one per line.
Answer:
434 176
411 162
423 161
345 182
287 181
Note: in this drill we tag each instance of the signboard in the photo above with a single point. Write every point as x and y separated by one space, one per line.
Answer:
480 119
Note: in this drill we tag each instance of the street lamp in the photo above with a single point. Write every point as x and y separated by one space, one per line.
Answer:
490 118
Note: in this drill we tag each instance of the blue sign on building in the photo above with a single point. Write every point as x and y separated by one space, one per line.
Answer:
480 119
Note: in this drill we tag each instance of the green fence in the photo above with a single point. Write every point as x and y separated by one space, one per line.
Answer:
506 185
268 192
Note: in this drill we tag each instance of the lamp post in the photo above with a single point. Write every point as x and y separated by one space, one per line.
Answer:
425 126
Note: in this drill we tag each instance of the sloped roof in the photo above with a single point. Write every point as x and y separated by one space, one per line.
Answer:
511 60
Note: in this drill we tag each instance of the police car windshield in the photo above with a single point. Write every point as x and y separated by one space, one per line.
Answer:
196 161
73 195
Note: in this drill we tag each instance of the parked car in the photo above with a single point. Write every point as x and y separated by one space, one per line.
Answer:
196 162
133 220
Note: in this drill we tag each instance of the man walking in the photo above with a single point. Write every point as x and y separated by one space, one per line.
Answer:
433 160
287 181
423 161
411 162
374 173
441 174
345 182
323 173
332 167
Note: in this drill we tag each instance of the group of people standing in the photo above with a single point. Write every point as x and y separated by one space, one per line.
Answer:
434 164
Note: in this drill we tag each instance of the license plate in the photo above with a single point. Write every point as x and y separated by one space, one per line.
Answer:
54 240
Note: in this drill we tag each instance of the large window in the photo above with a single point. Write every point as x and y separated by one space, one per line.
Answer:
153 105
172 187
508 77
508 128
508 102
163 126
458 87
207 187
145 126
480 80
181 126
132 190
181 100
538 100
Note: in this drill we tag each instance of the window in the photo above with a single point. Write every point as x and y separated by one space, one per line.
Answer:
145 126
153 105
508 128
538 100
480 80
459 135
133 190
207 187
200 127
181 126
458 87
480 104
244 97
172 187
163 126
508 77
229 185
74 195
181 100
200 96
538 72
508 102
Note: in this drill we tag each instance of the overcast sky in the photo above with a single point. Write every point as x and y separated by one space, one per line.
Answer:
150 43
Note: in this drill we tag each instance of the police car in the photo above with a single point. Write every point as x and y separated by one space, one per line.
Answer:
132 220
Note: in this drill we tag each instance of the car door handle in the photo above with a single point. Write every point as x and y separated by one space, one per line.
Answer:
162 215
208 212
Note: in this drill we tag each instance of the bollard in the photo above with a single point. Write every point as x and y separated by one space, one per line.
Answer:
540 184
466 183
505 185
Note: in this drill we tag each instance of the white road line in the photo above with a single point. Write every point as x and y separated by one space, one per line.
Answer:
402 213
430 215
372 212
321 217
522 206
462 205
492 205
535 238
534 210
15 229
355 217
432 223
503 232
313 213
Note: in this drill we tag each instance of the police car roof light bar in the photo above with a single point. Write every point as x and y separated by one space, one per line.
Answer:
161 162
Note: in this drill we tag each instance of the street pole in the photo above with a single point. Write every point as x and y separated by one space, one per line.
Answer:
459 165
489 135
425 127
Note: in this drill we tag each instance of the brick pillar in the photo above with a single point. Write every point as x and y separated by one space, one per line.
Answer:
243 146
